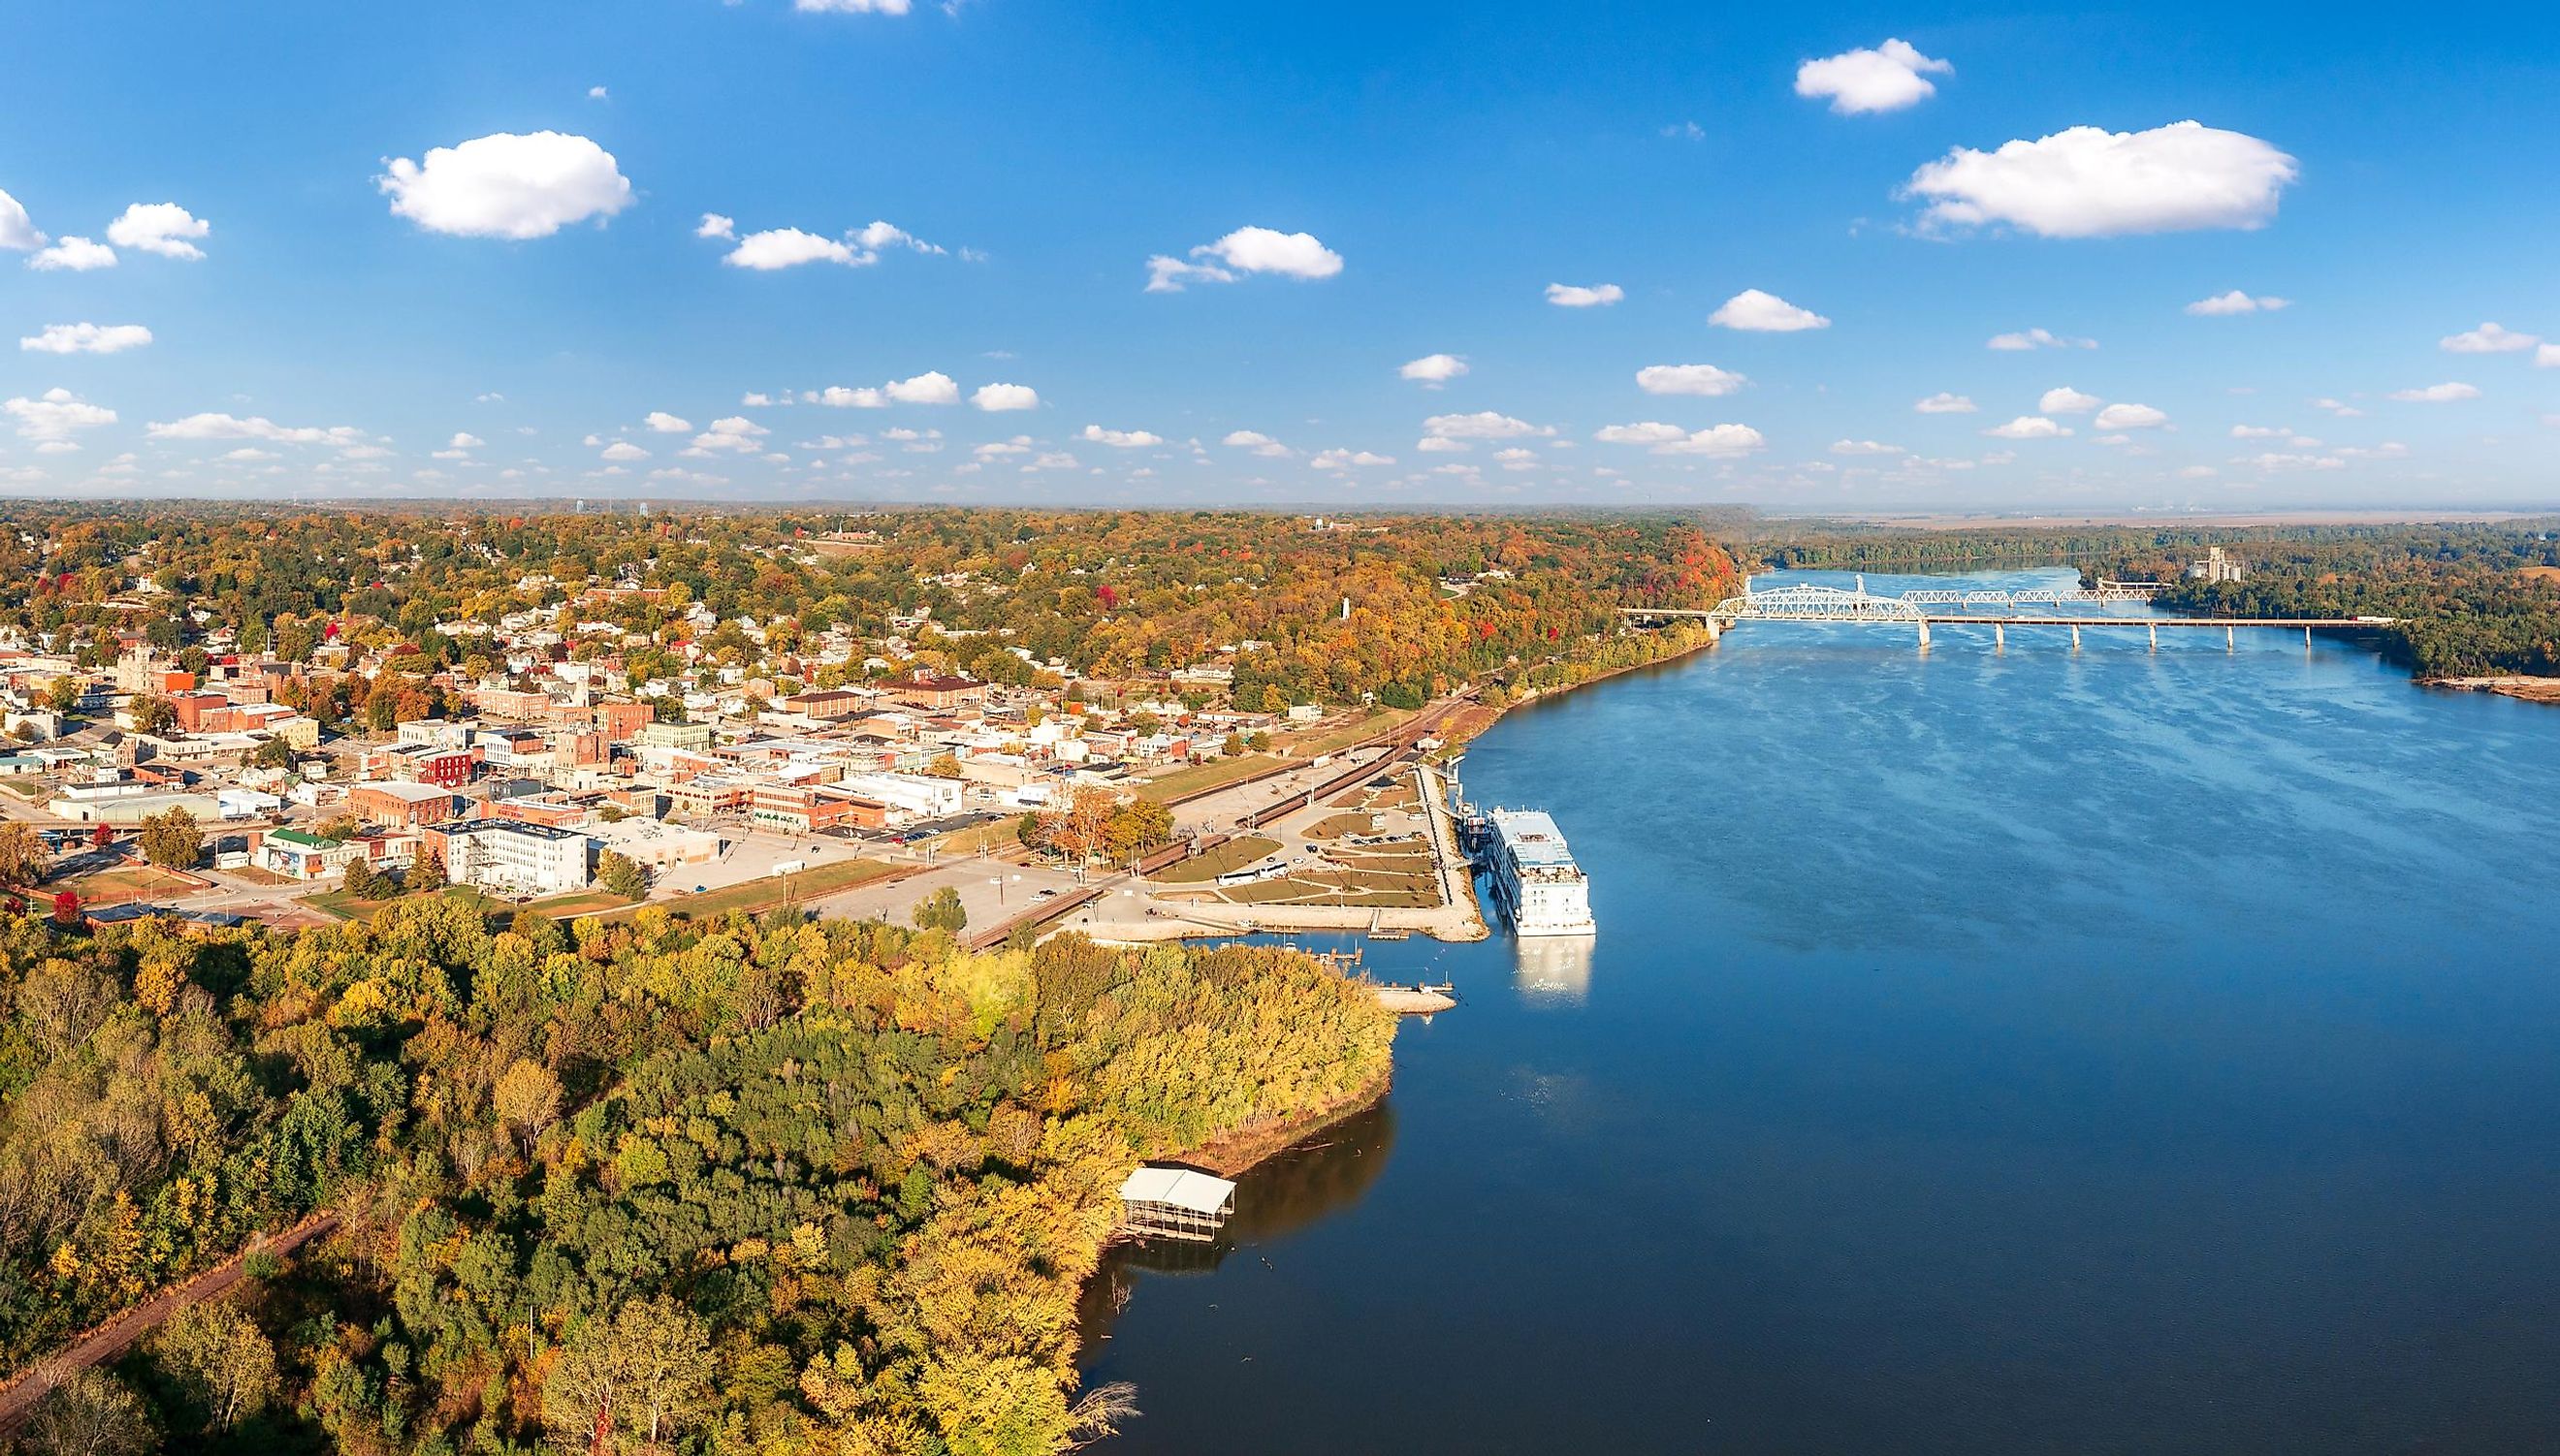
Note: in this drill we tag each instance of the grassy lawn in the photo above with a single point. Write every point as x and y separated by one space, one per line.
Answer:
347 907
1376 891
561 907
1201 778
1000 837
1201 868
27 788
1335 826
255 876
764 894
134 881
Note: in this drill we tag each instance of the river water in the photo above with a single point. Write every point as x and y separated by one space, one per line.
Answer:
2120 1052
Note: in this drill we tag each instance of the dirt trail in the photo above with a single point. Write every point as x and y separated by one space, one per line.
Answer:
105 1342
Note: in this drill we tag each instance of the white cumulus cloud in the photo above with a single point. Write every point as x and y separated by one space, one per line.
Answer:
1257 442
1666 439
1576 296
996 398
1864 447
2224 304
1945 403
2064 400
731 432
1245 251
2028 339
506 185
2487 339
853 7
2128 417
661 422
1347 459
18 231
255 427
1483 424
2445 393
621 451
2547 356
2087 182
72 256
1887 79
87 339
159 227
2029 427
789 247
1433 369
1122 439
52 417
930 387
1696 379
1765 313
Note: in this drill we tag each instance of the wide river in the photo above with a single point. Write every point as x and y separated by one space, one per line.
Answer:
2120 1052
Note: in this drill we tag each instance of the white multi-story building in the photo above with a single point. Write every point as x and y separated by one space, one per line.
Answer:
511 858
918 795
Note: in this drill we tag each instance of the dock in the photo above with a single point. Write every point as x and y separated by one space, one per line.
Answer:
1160 1201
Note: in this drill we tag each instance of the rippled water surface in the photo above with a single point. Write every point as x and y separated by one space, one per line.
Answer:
2120 1052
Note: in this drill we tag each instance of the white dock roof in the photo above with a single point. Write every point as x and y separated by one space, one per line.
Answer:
1179 1187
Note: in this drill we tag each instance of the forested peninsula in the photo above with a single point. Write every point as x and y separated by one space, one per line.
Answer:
771 1184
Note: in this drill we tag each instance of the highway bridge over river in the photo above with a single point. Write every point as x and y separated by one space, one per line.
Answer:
1924 609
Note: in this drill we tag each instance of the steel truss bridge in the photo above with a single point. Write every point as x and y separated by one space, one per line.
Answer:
1921 610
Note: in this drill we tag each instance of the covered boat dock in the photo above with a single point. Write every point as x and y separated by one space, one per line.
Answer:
1174 1203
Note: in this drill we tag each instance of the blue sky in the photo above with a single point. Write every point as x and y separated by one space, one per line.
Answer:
342 335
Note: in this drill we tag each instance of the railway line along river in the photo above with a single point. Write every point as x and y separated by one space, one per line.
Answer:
1981 1052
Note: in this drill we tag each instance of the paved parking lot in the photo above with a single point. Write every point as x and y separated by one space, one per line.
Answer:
988 902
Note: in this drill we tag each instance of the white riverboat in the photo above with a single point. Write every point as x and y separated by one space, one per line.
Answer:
1540 887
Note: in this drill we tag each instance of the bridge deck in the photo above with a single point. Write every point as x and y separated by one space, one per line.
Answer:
1980 620
2003 619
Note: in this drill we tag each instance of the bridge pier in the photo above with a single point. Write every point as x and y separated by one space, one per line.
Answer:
2156 639
2000 636
1924 634
2231 639
2075 637
2306 637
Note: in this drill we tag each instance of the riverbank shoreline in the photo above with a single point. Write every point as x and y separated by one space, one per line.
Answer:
1242 1150
2511 684
1468 727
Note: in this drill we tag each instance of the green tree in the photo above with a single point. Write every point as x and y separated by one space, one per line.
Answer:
215 1356
275 753
425 875
642 1379
622 876
154 715
171 839
364 882
941 911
